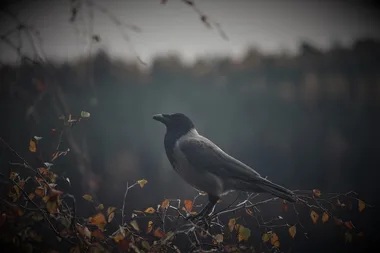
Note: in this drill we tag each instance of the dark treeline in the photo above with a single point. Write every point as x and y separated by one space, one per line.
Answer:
306 121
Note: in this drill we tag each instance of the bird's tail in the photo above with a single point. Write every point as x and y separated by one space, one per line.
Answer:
276 190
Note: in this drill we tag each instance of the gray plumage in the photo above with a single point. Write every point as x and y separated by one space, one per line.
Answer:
206 167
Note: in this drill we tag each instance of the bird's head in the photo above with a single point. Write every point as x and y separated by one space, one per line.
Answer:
177 122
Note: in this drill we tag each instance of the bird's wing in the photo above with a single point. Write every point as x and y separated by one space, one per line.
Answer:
204 155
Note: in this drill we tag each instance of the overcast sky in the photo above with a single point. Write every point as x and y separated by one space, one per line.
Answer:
268 25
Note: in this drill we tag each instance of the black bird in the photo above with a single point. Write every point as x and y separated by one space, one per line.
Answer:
207 168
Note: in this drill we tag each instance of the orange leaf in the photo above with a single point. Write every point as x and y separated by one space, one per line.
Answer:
52 204
150 227
274 238
325 217
159 233
32 146
231 224
248 211
292 231
361 205
43 171
165 203
98 220
314 216
338 221
98 234
150 210
188 205
349 224
40 191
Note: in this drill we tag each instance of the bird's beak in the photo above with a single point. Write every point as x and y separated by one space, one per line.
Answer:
163 118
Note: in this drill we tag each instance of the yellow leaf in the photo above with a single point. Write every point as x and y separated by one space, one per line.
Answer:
314 216
135 225
244 233
119 236
32 146
265 237
317 192
188 205
325 217
361 205
99 207
87 197
110 213
219 238
142 182
231 224
165 203
150 227
292 231
150 210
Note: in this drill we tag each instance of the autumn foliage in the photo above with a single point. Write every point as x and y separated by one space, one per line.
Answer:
36 213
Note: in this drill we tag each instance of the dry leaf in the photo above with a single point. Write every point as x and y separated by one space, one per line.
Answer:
150 227
314 216
99 220
32 146
361 205
159 233
219 238
88 197
325 217
135 225
99 207
231 224
348 237
98 234
165 203
188 205
110 213
292 231
150 210
142 182
349 224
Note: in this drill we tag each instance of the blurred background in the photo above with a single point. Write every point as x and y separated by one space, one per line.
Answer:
290 88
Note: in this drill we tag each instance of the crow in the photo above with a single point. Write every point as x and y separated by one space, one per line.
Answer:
207 168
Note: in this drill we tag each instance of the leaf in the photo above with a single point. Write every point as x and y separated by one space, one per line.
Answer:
273 238
99 207
145 245
84 114
347 237
349 224
314 217
40 191
325 217
88 197
165 203
284 206
248 211
135 225
219 238
110 213
276 244
142 182
150 210
159 233
265 237
188 205
316 193
118 237
52 204
292 231
99 220
84 231
338 221
244 233
32 146
98 234
150 227
361 205
231 224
